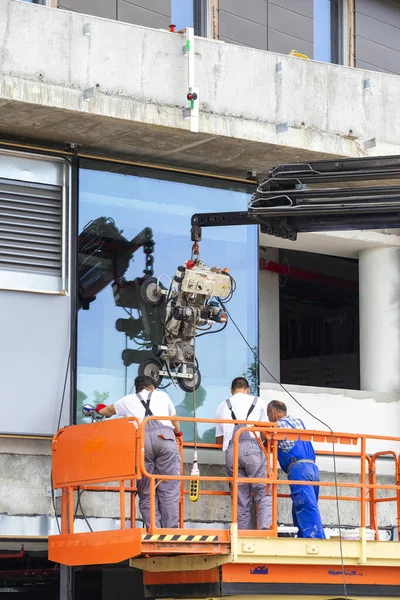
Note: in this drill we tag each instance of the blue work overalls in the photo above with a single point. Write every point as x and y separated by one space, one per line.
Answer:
299 464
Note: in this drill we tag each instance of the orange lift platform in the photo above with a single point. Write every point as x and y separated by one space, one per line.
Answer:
212 563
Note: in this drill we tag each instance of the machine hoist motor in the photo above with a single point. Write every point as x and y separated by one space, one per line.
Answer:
191 305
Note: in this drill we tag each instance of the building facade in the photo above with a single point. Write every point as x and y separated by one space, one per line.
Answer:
94 134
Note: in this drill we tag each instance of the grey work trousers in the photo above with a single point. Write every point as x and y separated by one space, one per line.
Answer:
161 455
252 463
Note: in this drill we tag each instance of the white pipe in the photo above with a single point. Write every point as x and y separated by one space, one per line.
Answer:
379 285
190 55
194 104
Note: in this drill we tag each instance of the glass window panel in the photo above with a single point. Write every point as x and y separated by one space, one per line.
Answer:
322 31
182 13
135 202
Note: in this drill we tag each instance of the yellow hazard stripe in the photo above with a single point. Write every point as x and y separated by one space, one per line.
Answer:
179 538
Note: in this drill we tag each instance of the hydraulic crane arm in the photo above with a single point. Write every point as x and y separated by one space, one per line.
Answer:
104 255
292 199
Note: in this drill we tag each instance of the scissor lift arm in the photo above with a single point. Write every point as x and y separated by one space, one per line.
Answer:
295 198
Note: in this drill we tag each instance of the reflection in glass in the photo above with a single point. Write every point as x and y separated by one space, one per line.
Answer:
182 13
125 221
322 31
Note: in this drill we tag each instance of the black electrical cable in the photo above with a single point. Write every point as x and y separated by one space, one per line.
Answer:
73 338
74 310
58 427
233 289
53 500
79 505
203 328
127 311
317 419
214 331
64 388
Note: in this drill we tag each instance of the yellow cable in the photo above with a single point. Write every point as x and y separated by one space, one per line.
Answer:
298 54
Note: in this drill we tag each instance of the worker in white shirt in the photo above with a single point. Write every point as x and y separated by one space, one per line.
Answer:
161 452
252 461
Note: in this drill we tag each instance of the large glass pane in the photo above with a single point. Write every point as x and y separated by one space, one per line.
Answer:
182 13
322 31
134 203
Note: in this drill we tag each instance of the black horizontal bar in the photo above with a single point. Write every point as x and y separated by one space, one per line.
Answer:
356 169
222 218
329 209
262 198
335 224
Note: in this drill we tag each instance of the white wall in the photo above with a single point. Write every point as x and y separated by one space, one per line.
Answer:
34 346
34 311
380 319
346 411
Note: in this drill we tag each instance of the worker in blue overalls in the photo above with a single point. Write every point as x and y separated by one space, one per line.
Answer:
297 459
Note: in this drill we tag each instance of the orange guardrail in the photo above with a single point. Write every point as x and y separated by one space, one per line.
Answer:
90 456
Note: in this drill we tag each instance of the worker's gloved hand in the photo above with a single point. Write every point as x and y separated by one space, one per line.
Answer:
100 406
179 438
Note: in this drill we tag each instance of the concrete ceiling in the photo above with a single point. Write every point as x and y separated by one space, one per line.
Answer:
140 142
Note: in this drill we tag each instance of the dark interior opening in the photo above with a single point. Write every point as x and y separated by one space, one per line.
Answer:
319 320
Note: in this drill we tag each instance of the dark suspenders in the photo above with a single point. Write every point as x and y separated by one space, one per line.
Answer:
146 405
228 402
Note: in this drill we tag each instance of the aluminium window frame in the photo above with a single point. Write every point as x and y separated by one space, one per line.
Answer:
201 18
52 3
206 18
338 29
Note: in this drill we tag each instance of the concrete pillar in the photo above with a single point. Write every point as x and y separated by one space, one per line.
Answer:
379 271
269 347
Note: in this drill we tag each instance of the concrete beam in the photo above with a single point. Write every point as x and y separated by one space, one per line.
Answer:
347 244
125 97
